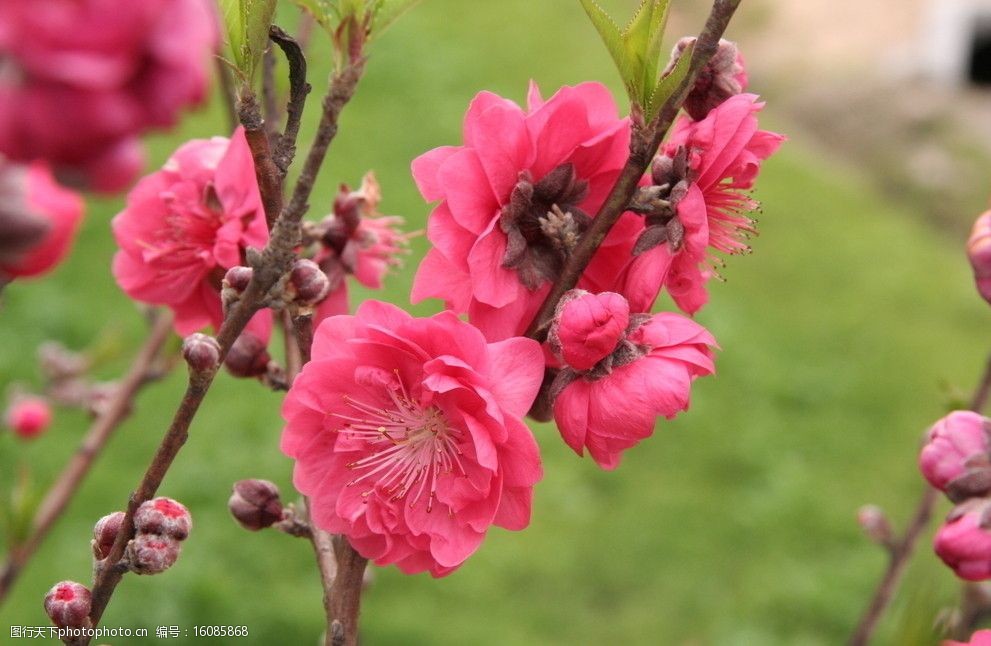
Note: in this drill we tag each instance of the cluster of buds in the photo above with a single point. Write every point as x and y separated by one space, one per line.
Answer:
255 504
160 525
956 459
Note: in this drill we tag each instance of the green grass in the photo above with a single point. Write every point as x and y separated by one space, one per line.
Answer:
843 337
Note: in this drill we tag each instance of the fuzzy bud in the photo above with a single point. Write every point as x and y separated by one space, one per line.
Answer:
163 516
979 253
248 357
235 281
255 504
874 522
722 77
588 327
963 542
308 283
201 352
28 416
105 533
151 553
955 458
68 604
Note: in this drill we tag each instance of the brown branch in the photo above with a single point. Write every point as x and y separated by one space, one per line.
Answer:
61 492
270 95
644 142
270 266
285 148
901 551
345 594
269 177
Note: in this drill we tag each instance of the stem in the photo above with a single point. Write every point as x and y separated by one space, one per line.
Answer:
901 550
345 594
270 266
285 148
644 142
226 90
269 177
269 98
61 492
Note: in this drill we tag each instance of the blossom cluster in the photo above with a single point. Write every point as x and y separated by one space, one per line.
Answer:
408 433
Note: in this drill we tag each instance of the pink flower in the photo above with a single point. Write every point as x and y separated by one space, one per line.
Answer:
514 199
28 417
707 166
185 225
359 241
84 79
979 638
611 405
963 542
956 457
979 254
38 220
408 435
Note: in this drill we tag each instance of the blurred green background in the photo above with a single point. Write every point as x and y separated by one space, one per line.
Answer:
851 328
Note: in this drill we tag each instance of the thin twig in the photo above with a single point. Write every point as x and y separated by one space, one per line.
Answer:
269 177
901 551
644 142
269 95
285 148
61 492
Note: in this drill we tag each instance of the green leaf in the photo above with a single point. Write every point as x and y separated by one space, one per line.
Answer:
324 12
386 12
247 23
668 84
609 33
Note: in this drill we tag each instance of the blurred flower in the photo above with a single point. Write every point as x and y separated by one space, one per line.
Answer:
408 435
979 253
514 200
964 540
185 225
979 638
705 167
68 604
357 240
955 458
38 220
28 416
613 404
81 80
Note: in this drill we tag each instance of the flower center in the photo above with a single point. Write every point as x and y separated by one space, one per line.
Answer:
411 447
543 223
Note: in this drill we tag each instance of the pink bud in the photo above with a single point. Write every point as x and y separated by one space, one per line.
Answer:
201 352
163 516
956 448
588 327
105 533
28 417
151 553
874 522
255 504
979 253
68 604
979 638
309 283
964 540
248 357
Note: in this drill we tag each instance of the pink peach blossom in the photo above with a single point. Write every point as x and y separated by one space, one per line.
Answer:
979 638
84 79
963 542
185 225
408 435
979 254
612 405
956 445
38 220
709 166
514 198
28 417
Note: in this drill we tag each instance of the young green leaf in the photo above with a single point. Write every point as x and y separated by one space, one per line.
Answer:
324 12
668 84
386 12
609 33
247 23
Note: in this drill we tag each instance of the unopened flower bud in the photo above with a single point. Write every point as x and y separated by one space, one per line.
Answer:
308 282
874 522
979 253
248 357
201 352
955 458
163 516
68 604
722 77
588 327
151 553
255 504
347 207
28 416
963 542
105 533
235 281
